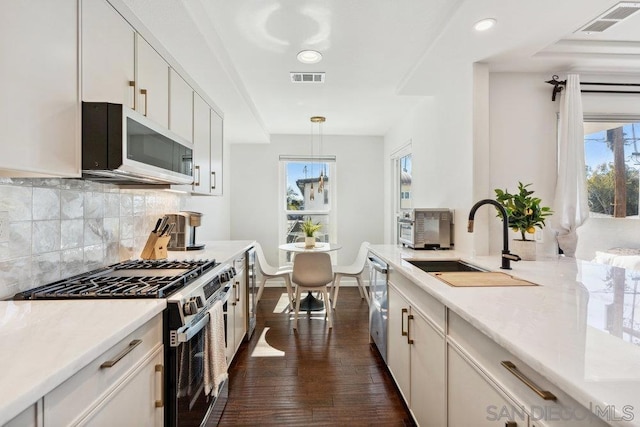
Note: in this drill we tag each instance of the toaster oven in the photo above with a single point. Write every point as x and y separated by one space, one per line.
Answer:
426 228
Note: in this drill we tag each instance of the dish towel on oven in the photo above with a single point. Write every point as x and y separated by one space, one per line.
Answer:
215 361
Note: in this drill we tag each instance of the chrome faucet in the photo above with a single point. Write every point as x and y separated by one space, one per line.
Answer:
507 256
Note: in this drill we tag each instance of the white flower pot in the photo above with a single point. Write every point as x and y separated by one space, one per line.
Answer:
309 242
526 249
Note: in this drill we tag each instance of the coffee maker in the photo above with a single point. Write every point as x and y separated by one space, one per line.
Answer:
183 235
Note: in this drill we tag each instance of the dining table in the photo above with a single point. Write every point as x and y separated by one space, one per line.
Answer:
310 303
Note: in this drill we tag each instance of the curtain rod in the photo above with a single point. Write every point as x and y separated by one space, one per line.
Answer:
558 85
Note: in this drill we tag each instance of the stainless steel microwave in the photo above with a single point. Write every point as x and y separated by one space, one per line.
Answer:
122 146
426 228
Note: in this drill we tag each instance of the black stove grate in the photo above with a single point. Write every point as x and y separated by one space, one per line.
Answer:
124 280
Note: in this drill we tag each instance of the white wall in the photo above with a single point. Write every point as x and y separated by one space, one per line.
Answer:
441 133
255 207
523 134
523 139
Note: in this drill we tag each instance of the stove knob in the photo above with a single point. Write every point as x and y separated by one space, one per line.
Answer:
190 307
199 302
233 271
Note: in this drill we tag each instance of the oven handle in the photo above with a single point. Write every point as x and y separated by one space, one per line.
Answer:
197 327
190 332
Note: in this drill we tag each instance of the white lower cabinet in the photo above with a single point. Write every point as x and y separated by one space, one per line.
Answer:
416 352
452 375
30 417
134 401
473 400
236 310
123 386
543 402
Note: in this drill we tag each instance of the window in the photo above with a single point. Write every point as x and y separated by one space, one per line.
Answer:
309 191
401 183
613 163
405 181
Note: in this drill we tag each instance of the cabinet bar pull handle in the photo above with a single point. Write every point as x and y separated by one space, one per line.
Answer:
234 295
132 84
546 395
109 363
160 403
404 310
197 183
213 174
409 319
238 292
146 101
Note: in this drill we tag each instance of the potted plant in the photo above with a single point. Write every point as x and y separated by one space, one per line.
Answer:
309 229
525 214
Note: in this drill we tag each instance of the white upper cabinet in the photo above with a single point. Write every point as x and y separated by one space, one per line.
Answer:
216 153
153 83
180 106
108 55
40 132
201 146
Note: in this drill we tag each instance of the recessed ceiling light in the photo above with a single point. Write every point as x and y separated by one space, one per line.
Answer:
484 24
309 56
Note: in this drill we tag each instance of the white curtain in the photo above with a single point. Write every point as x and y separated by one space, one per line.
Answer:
570 204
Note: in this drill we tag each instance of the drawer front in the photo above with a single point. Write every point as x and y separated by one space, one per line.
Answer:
488 356
80 393
432 309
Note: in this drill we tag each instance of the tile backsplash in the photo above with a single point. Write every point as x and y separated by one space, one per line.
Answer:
62 227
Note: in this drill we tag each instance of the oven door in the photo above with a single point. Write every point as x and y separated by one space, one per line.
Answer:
188 404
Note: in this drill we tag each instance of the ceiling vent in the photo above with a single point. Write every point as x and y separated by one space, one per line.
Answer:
617 13
307 77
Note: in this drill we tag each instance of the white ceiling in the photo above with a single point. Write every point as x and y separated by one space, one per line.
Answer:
377 53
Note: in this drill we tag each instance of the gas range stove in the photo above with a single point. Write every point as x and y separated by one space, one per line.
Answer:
129 279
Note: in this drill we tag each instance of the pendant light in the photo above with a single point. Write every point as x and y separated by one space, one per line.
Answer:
319 120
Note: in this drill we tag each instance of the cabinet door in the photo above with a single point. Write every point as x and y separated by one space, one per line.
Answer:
217 136
427 372
474 401
40 108
138 401
30 417
240 321
153 83
201 146
397 348
108 55
180 106
230 350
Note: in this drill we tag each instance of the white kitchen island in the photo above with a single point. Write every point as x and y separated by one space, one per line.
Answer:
579 331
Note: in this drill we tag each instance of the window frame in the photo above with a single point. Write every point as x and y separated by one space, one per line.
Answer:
610 118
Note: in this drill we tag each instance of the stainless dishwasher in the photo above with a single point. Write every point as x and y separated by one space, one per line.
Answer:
378 308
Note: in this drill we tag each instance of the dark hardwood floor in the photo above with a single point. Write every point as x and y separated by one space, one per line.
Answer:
314 376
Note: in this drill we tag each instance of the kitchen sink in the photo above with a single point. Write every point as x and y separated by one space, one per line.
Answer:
442 266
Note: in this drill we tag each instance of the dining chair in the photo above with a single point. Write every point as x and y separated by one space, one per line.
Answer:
312 272
351 270
270 272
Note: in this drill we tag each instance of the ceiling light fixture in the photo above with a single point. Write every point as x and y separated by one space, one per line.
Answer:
309 56
484 24
317 120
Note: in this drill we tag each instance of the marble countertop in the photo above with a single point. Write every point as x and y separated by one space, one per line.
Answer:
221 251
43 343
580 329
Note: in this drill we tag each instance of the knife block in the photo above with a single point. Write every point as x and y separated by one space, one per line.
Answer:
156 247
